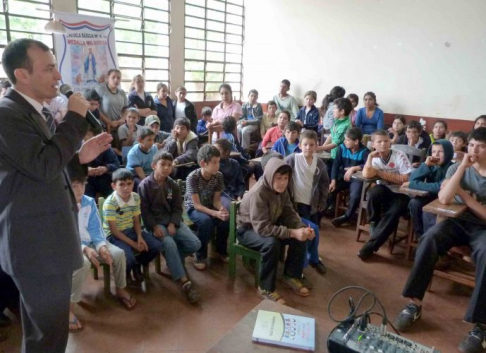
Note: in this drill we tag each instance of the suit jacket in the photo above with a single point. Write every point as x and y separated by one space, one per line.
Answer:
38 212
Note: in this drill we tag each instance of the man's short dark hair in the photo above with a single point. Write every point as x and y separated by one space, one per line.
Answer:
462 135
15 56
121 174
344 104
308 134
183 122
229 124
206 111
354 133
284 170
414 124
91 95
269 155
6 84
145 131
478 134
271 103
162 156
206 153
292 126
286 82
225 144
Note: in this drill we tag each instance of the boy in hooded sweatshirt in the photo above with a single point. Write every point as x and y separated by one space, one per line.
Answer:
266 222
183 146
429 177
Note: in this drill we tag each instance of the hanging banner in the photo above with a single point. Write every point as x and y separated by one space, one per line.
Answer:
86 51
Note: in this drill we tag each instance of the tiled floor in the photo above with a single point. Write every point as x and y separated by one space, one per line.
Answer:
164 322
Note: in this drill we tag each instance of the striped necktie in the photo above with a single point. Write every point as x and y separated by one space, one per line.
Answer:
49 119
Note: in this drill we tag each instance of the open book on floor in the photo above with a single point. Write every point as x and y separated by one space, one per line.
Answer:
285 330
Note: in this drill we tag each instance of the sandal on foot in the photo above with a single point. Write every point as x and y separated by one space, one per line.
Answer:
128 303
76 322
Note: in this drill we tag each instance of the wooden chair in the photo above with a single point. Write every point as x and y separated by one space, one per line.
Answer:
461 269
237 249
362 224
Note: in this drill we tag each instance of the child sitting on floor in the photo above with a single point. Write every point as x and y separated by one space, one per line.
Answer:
94 247
161 204
266 222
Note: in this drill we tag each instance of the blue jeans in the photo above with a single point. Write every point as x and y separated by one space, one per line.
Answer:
309 220
175 248
205 229
154 247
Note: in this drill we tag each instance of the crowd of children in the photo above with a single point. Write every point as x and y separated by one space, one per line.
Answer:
159 141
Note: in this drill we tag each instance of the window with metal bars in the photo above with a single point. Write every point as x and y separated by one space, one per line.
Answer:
214 35
23 19
142 37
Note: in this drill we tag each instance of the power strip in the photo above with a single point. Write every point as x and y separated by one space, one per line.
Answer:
347 338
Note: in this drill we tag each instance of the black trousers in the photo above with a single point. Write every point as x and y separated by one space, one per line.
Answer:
269 248
385 208
44 306
9 294
436 242
355 186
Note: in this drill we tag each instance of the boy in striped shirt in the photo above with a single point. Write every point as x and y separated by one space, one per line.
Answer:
122 225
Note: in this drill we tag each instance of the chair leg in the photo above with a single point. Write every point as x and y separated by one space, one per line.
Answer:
232 264
146 270
410 236
95 273
158 266
392 241
361 213
337 203
106 281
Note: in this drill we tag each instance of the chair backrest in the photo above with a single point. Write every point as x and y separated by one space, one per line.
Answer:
411 152
234 206
101 202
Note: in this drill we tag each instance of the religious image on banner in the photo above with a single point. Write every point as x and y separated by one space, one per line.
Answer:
86 51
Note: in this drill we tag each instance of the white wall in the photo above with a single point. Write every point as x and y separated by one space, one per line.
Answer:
394 48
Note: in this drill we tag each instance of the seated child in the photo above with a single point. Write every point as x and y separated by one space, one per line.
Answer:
153 122
308 117
205 118
350 158
139 159
414 136
384 206
94 101
94 247
203 204
269 119
276 132
266 222
250 120
459 142
234 183
121 222
310 188
354 99
439 131
466 183
127 133
100 169
161 204
289 143
183 146
341 110
398 128
429 177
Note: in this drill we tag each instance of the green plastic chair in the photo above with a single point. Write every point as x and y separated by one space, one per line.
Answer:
238 249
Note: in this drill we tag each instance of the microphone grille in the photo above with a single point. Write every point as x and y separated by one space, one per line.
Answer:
65 88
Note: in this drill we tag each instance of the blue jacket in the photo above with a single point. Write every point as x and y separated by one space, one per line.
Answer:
90 228
201 127
311 119
165 114
281 144
345 158
430 178
106 159
234 184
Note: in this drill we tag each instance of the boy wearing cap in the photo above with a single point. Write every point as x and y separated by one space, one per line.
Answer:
153 122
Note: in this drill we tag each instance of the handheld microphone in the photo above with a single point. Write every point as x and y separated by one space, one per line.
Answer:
90 118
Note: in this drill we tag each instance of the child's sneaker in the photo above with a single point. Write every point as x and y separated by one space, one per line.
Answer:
408 316
199 264
190 293
273 296
475 341
296 285
305 282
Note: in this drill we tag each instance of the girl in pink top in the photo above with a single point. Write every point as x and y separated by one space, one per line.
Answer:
226 108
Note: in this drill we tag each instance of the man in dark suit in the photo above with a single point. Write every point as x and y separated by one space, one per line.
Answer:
39 244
